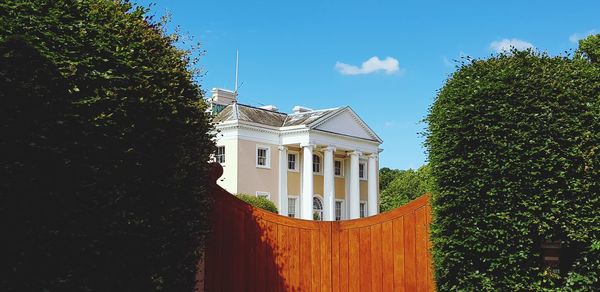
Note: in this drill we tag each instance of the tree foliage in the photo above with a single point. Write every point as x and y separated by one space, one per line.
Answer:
259 202
386 176
405 186
105 150
589 48
514 149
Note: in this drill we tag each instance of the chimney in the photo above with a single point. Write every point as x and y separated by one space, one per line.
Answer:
220 99
301 109
223 96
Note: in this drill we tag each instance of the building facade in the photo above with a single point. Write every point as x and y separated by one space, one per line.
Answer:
313 164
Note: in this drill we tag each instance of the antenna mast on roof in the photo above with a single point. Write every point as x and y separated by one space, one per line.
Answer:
237 59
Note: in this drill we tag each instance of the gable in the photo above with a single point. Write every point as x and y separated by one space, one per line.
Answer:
346 123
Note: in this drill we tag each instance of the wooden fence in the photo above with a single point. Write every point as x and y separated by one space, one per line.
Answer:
250 249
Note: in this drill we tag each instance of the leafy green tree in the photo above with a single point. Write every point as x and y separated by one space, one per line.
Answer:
590 48
105 150
260 202
386 176
513 149
405 187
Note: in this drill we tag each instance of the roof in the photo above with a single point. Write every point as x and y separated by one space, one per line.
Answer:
307 118
257 115
311 119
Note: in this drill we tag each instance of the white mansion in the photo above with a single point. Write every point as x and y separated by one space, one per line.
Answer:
313 164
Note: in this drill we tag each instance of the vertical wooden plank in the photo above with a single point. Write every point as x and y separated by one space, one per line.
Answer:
212 252
260 261
410 260
209 252
237 273
398 240
294 248
421 248
325 235
250 247
271 261
335 256
226 245
365 259
283 256
315 259
387 256
225 238
305 260
229 235
376 258
353 259
344 260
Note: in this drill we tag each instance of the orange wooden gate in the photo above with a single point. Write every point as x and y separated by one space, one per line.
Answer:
250 249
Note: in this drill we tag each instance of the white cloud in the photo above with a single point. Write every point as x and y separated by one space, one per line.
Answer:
388 124
574 38
505 45
389 65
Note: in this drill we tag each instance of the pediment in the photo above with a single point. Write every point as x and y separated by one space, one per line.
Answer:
347 123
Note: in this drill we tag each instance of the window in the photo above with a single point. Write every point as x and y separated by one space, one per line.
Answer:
262 157
265 195
220 157
292 165
292 207
363 209
339 205
337 167
361 171
317 209
316 163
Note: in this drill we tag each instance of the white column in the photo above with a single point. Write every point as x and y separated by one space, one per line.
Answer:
372 176
283 195
306 198
328 184
354 186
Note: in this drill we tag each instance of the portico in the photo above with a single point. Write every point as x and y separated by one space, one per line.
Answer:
324 164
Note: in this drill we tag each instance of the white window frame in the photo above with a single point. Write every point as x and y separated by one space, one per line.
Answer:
297 201
221 155
341 167
268 158
320 172
365 210
365 175
342 213
263 194
297 164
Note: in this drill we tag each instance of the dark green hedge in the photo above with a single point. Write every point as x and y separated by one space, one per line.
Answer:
104 150
259 202
514 149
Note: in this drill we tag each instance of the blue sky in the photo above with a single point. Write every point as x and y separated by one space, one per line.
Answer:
311 53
